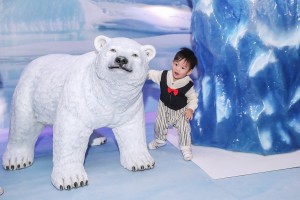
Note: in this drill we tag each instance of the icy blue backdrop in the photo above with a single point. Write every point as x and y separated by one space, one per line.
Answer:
250 75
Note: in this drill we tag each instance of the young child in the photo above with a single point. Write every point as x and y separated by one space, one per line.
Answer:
178 101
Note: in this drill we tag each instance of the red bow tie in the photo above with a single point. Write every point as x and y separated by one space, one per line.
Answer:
175 91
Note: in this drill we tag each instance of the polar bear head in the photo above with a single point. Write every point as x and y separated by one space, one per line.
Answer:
122 60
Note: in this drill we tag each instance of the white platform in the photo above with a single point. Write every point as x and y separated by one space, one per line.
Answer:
219 163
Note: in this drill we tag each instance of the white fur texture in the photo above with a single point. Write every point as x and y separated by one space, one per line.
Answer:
78 94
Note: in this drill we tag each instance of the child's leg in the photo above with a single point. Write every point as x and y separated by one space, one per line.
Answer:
184 132
161 123
161 128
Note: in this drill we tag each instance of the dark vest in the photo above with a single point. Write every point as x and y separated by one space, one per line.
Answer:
169 99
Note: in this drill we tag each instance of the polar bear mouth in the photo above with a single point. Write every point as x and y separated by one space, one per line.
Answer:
120 67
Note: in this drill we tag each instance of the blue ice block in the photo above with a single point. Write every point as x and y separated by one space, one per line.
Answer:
249 82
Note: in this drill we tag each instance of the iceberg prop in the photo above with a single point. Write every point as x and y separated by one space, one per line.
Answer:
249 83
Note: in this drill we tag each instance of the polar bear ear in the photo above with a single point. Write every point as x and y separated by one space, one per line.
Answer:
149 51
100 41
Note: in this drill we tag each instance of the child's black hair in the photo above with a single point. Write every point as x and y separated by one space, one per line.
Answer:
188 55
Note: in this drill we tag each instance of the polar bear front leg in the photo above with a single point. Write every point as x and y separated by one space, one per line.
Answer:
70 141
131 138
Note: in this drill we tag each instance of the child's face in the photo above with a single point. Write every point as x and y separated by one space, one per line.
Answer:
180 69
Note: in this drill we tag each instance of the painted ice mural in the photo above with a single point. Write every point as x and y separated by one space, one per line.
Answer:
250 75
32 28
81 19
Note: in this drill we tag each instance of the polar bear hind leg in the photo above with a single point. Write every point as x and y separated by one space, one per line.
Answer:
24 131
98 141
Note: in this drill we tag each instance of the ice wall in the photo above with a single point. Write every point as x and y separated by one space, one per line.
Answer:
32 16
250 75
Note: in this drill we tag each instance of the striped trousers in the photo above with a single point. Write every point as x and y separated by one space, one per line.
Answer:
167 117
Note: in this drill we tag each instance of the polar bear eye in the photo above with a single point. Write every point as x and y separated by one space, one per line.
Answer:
113 50
135 55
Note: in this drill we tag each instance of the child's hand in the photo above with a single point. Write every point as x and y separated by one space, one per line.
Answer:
188 114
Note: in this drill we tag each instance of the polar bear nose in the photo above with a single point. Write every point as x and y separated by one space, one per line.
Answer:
121 60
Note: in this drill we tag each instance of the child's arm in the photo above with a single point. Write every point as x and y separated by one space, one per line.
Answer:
192 103
155 75
188 114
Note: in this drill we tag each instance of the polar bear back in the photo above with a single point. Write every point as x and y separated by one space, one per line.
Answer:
43 81
100 88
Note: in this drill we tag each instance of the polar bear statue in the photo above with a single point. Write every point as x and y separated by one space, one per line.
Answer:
78 94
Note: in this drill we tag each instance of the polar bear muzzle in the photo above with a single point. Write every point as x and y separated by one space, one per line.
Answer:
121 63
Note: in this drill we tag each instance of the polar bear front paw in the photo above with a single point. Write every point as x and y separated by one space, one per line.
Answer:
137 162
17 158
69 176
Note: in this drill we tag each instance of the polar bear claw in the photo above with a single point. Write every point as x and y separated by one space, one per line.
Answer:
17 159
139 162
69 176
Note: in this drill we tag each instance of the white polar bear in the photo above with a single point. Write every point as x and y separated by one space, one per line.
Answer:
78 94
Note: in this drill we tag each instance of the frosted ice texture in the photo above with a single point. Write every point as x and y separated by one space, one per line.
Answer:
250 75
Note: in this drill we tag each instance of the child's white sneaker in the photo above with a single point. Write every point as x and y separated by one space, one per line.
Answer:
186 152
156 144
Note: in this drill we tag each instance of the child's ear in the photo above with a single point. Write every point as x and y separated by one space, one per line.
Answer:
189 72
